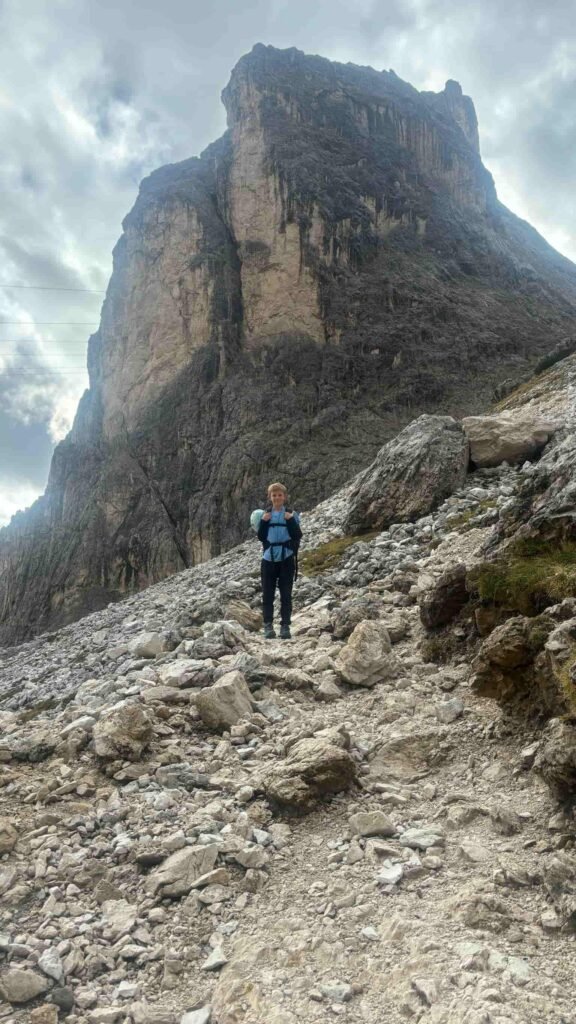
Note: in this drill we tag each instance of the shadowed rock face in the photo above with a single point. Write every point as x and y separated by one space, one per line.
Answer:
335 265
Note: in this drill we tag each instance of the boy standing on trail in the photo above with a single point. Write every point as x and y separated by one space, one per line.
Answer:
279 530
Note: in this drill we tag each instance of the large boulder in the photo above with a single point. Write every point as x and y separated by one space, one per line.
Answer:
441 604
367 658
225 702
411 475
315 767
123 732
507 436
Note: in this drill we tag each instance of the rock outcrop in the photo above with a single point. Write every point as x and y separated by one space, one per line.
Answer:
506 436
410 476
338 259
442 603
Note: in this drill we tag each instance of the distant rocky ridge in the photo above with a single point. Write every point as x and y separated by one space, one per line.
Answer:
335 265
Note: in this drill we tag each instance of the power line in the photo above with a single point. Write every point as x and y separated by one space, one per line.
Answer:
47 369
42 376
54 288
68 323
42 341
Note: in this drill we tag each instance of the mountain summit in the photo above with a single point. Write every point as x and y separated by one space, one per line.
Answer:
336 264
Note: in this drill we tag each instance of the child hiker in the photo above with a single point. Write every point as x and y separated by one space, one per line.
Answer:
279 530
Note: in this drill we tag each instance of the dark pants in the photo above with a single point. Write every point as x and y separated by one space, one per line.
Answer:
281 573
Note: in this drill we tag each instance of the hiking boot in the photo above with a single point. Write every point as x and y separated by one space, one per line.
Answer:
269 633
285 633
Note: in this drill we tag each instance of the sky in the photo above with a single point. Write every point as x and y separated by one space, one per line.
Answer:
94 94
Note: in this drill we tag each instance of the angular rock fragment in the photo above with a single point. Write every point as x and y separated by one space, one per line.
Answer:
51 964
226 702
153 1013
422 838
314 768
350 613
371 823
20 985
556 758
442 603
449 710
119 917
201 1016
390 874
45 1014
183 672
367 658
8 836
176 876
148 645
240 611
123 732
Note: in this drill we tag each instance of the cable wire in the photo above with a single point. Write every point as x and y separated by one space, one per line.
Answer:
68 323
54 288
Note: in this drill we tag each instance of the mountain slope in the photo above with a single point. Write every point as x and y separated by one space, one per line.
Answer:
337 263
154 867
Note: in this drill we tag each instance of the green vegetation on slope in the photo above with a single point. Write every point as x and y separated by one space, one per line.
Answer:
327 556
533 575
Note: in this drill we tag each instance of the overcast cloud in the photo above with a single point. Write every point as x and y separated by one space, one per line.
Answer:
96 93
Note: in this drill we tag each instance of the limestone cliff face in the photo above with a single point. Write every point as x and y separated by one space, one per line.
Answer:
336 264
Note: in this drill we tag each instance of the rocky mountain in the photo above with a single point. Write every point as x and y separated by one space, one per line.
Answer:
198 826
337 263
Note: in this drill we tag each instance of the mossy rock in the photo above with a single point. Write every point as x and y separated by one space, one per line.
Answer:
328 556
530 577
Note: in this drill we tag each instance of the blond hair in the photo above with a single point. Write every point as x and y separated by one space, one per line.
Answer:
278 487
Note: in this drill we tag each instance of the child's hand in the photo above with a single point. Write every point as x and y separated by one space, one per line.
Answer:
267 517
288 515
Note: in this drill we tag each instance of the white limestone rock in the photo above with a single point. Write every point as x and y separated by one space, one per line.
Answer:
367 657
510 436
226 702
123 732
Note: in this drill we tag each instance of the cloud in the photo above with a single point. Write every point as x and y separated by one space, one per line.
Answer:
93 96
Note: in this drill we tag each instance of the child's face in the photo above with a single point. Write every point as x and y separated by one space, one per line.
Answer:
277 497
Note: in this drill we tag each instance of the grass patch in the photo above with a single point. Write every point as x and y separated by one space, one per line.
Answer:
461 521
442 648
543 380
534 575
511 400
327 556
